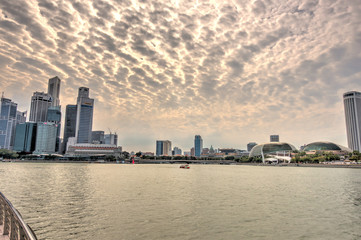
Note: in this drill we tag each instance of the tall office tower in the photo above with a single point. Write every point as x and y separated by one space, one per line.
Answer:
177 151
21 117
7 123
159 148
352 104
84 116
25 137
250 146
192 151
54 116
70 124
111 138
40 102
54 90
198 145
163 148
274 138
45 138
98 137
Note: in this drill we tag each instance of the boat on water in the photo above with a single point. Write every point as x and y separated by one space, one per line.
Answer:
185 166
12 225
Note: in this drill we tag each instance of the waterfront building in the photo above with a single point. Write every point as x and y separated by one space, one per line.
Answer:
275 150
98 137
84 116
186 153
198 145
40 102
205 152
163 148
352 105
330 147
111 138
70 123
176 151
54 115
25 137
89 149
54 91
8 119
274 138
46 133
21 117
250 146
192 152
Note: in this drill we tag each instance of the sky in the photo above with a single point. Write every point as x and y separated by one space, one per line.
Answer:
231 71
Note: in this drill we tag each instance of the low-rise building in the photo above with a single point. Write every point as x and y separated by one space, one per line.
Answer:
89 149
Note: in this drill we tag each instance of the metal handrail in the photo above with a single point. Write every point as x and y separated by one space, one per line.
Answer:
12 223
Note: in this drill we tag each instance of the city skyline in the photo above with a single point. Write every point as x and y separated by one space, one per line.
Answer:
231 72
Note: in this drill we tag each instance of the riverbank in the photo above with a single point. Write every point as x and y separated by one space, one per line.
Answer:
198 162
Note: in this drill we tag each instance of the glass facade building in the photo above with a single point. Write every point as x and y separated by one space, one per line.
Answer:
70 123
198 145
271 149
163 148
352 105
326 146
54 90
8 117
46 138
98 137
40 102
250 146
25 137
84 118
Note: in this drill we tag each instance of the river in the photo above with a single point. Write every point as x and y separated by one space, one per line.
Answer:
118 201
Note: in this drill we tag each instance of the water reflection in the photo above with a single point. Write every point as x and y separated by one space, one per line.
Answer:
78 201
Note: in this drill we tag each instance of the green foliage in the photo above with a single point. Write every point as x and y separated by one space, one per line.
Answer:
8 154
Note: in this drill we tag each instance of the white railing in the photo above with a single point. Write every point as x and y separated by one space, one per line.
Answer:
12 224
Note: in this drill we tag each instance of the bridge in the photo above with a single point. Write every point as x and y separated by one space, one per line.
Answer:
12 225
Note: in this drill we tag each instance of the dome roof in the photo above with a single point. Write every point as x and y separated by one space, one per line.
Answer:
272 147
325 146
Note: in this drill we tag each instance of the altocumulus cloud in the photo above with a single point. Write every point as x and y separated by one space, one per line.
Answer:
232 71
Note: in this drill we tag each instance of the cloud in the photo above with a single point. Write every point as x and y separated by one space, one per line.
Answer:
232 71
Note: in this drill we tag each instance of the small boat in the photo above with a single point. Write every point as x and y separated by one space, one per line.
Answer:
186 166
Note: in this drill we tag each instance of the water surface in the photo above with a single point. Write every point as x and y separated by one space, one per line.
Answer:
113 201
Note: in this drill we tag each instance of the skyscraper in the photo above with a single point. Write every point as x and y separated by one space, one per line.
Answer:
54 90
163 148
352 104
111 138
7 123
70 123
46 133
40 102
98 137
54 116
274 138
25 137
250 146
84 116
198 145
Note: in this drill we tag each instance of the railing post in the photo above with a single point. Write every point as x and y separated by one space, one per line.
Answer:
6 220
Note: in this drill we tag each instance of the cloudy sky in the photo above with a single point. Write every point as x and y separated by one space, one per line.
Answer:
231 71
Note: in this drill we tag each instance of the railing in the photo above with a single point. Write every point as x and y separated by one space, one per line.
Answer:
12 225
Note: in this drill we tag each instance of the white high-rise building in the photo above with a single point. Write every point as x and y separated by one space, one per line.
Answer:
352 104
